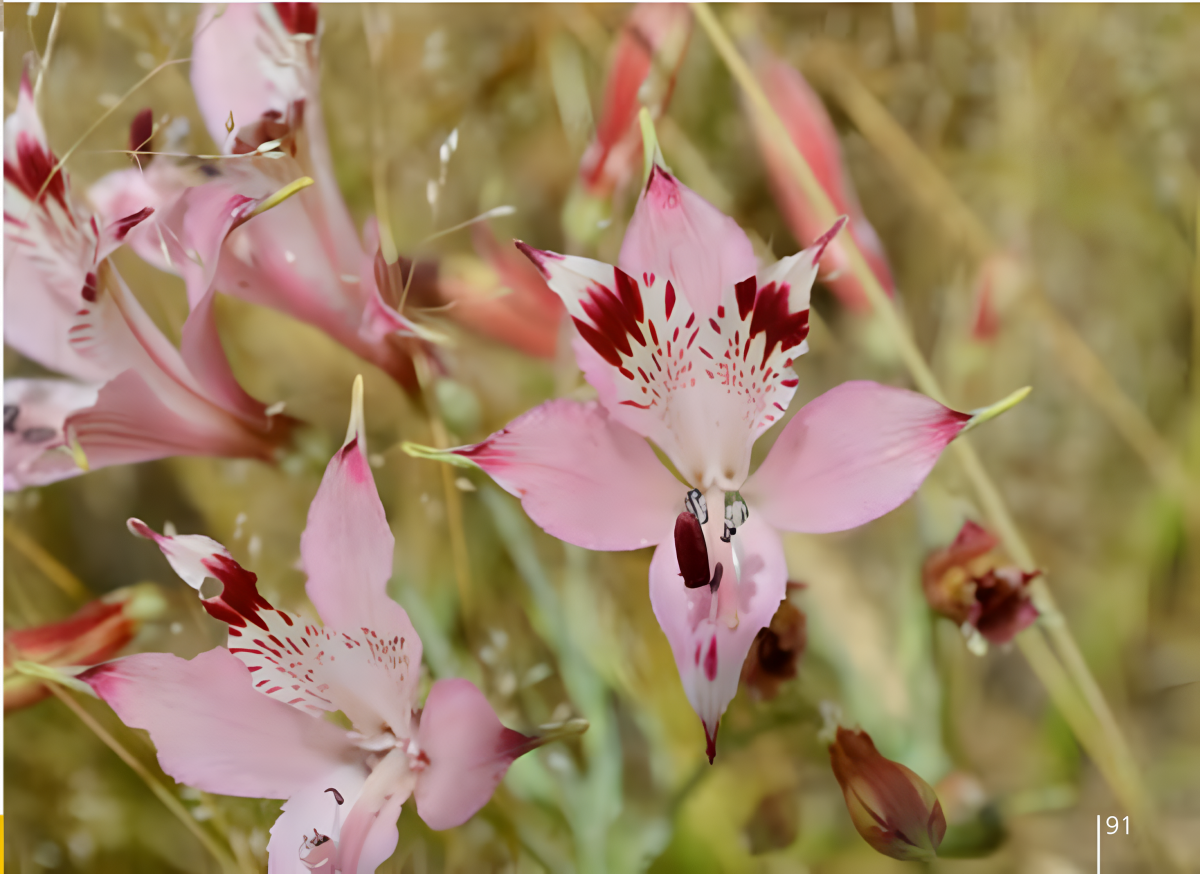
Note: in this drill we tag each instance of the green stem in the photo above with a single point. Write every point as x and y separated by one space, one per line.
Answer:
1104 741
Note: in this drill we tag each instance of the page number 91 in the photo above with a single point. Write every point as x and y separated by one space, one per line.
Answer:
1113 825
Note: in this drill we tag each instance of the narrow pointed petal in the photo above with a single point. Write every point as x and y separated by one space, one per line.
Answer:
469 752
811 130
35 411
347 551
678 235
709 653
370 835
582 477
213 731
856 452
125 192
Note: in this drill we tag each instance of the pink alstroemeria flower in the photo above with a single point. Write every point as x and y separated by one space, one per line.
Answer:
806 120
259 65
136 397
690 345
247 719
642 73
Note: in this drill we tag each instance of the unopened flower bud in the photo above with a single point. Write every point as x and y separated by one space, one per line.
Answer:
895 811
97 632
966 583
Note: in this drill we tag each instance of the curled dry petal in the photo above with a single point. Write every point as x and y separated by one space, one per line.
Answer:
775 654
894 810
966 583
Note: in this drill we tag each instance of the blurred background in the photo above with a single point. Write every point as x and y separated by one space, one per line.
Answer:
1030 172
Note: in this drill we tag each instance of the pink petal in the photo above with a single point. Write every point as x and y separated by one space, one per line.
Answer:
856 452
709 653
347 551
582 477
244 63
309 808
813 133
34 413
678 235
205 357
469 752
130 424
369 836
213 731
125 192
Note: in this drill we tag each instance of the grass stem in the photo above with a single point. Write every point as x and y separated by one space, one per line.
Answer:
1103 740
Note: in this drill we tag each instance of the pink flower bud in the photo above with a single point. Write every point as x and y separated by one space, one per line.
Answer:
895 811
96 633
806 120
648 54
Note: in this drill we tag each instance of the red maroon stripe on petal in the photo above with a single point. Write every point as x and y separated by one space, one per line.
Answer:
598 342
773 318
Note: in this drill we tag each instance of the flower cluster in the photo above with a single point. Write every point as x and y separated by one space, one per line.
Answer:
689 341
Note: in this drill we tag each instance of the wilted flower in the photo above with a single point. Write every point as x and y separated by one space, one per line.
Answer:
808 124
775 654
248 719
895 811
966 583
136 397
690 345
642 73
97 631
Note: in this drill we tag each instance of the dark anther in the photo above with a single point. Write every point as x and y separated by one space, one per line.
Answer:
38 435
317 838
11 411
696 505
691 550
729 532
337 796
716 580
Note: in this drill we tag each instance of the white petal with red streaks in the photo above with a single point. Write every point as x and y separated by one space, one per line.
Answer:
703 389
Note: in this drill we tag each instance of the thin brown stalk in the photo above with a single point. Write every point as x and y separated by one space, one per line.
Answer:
1106 743
173 804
